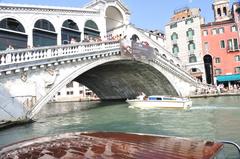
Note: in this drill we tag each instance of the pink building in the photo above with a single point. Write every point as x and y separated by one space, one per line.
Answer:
220 43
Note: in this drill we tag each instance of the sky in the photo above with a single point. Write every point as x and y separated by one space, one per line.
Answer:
145 14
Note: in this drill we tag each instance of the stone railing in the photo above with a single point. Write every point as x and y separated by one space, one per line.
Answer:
158 46
36 56
175 69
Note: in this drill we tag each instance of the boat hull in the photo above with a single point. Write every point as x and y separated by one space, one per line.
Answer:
159 104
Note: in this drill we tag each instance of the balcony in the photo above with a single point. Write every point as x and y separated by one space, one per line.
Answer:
233 49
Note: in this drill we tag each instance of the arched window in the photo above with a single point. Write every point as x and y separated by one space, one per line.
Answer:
174 36
70 32
192 59
44 34
190 32
114 18
191 46
12 24
219 12
12 33
164 56
208 64
91 29
224 11
175 49
188 21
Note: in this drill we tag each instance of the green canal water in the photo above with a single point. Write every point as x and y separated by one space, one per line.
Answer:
209 118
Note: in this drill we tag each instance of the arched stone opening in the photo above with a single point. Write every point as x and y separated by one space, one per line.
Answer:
91 30
208 68
12 33
44 33
114 18
126 80
70 32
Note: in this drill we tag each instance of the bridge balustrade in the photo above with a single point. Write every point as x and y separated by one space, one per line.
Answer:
43 54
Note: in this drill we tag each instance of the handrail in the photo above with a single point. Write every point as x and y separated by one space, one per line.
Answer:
4 106
231 143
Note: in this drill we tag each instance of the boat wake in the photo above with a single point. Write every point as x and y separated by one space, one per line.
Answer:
213 108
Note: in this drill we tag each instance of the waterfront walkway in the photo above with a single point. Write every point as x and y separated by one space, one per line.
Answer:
215 95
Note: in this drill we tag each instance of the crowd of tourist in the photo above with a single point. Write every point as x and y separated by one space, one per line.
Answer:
220 88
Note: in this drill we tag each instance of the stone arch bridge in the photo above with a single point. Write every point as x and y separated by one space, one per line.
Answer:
31 77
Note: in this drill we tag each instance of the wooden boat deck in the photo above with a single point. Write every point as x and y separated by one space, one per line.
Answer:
111 145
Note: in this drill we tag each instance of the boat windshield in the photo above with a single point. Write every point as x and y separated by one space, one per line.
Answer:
155 98
168 98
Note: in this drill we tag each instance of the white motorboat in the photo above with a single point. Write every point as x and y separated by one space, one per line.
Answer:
157 101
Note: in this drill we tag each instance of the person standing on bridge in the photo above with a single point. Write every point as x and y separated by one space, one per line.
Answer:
126 45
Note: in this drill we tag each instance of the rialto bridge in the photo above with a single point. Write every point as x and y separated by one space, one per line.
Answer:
30 77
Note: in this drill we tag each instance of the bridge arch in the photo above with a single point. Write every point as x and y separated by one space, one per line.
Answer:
114 18
12 32
114 78
44 33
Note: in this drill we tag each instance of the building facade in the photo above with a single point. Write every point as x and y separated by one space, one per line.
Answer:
220 43
183 38
23 26
74 91
28 26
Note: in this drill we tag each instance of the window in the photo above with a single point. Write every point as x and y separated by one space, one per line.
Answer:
190 32
175 49
192 59
205 32
174 25
230 44
194 70
191 46
237 58
80 92
214 31
235 42
217 60
218 71
234 28
222 44
189 21
206 46
59 93
237 69
174 36
221 30
219 12
224 11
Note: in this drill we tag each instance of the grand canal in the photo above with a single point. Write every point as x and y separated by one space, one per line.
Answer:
209 118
